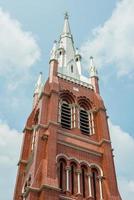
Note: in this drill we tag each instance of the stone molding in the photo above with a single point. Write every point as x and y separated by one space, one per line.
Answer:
84 139
80 148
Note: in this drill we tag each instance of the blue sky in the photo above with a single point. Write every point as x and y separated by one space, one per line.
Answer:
103 29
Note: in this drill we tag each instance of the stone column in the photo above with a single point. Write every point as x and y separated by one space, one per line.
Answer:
90 185
67 179
78 181
100 187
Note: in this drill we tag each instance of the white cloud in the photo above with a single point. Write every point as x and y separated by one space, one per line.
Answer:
10 141
18 48
123 144
112 43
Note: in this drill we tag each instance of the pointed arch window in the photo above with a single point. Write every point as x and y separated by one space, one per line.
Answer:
86 120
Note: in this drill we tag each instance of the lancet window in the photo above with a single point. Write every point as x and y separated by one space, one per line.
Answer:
86 118
65 115
62 174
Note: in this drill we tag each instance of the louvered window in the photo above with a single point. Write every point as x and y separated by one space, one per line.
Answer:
65 116
84 121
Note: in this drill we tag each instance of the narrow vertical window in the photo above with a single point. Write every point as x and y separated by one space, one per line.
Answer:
96 193
72 69
61 176
94 185
72 179
84 121
83 183
65 115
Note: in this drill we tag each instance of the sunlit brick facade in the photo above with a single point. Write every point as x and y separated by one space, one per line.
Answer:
66 151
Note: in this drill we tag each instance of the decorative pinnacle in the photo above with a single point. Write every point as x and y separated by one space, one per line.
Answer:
93 70
38 83
53 51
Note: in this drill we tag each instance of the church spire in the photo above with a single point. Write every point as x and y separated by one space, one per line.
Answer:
67 62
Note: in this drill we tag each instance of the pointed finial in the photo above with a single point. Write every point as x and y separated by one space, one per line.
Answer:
91 61
66 28
66 16
93 70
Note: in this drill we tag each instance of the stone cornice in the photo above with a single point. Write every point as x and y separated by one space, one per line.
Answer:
41 126
35 189
66 198
85 139
80 148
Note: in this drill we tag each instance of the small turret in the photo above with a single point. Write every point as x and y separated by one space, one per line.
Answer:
94 75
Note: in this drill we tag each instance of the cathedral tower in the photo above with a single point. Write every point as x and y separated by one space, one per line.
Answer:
66 151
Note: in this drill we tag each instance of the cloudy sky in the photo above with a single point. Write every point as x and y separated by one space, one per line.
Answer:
103 29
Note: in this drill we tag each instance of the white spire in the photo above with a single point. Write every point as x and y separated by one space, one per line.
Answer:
66 52
93 70
38 84
54 51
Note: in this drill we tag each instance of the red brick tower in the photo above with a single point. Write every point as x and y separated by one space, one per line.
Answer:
66 152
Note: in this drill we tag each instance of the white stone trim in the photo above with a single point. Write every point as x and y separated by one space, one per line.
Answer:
90 165
89 186
67 180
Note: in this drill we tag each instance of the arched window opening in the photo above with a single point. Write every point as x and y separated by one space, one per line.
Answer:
84 121
95 184
65 115
62 175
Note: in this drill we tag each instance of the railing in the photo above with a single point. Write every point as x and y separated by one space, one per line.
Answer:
74 80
